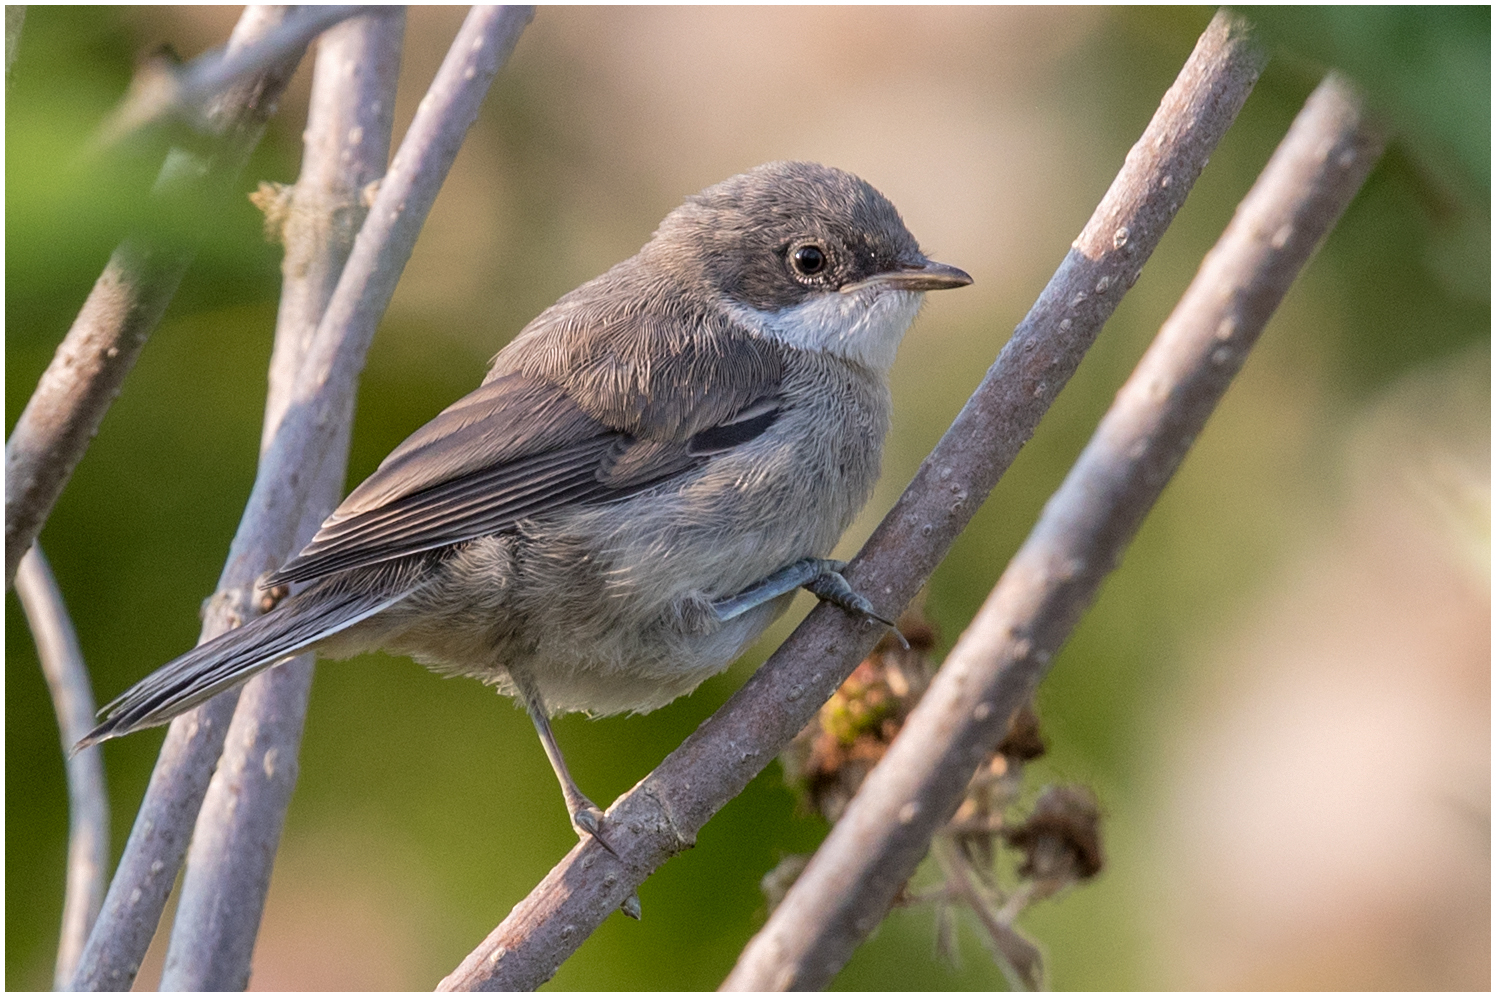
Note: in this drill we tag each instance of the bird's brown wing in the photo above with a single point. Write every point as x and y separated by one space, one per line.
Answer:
517 447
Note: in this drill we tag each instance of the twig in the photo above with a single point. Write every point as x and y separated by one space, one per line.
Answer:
1086 526
660 816
238 829
1019 959
127 302
88 801
15 17
289 465
165 93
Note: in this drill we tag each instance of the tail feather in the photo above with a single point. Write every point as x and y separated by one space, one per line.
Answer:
235 656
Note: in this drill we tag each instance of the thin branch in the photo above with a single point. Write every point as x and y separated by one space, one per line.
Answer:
15 18
663 813
165 94
128 301
288 466
389 234
1019 959
1082 534
238 829
88 800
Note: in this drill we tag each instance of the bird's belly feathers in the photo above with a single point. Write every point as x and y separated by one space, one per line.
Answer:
606 607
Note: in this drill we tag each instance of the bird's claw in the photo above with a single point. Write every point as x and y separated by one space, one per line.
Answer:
587 820
833 588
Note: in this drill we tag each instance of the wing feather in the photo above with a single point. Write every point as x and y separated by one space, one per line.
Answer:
525 444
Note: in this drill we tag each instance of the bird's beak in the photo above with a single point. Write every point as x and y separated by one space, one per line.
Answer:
925 276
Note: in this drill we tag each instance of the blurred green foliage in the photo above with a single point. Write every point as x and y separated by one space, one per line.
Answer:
452 782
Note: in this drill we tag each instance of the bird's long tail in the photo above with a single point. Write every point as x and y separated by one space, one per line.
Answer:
208 669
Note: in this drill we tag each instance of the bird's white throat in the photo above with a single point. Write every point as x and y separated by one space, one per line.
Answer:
864 326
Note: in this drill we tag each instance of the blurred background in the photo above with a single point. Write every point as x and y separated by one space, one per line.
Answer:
1281 699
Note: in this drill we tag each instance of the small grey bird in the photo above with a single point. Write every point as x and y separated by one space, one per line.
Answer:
647 474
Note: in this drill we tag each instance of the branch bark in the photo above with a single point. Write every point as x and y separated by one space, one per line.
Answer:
128 300
1081 536
291 462
88 800
347 145
663 813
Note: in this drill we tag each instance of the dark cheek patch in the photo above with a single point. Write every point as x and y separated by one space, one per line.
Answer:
765 284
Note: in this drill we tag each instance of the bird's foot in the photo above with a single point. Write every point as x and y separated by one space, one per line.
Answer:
818 575
830 586
631 907
587 821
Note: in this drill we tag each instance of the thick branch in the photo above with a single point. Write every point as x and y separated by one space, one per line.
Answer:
128 301
289 465
88 801
1082 534
663 813
238 829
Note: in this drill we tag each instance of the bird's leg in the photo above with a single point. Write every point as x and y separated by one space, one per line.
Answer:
784 580
586 817
819 576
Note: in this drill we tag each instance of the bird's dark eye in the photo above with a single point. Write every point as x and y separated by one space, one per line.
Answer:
809 259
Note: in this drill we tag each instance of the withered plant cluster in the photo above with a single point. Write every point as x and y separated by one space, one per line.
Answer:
990 857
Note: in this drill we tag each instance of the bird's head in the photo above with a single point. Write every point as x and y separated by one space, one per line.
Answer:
807 254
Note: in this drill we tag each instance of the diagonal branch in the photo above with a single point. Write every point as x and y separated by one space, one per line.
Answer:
88 801
664 812
128 300
321 399
169 93
1084 530
239 827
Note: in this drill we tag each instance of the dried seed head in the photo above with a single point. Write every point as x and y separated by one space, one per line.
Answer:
1061 840
828 760
1022 742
